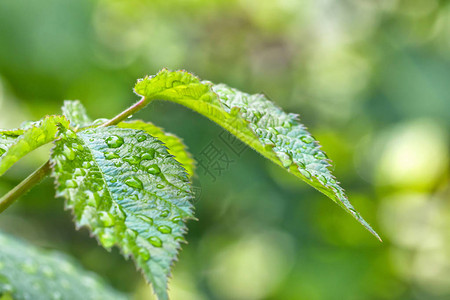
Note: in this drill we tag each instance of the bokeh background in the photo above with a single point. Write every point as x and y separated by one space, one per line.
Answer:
370 79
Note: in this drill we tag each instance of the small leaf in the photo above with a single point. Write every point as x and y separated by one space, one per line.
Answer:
129 191
256 121
174 144
29 273
19 142
75 112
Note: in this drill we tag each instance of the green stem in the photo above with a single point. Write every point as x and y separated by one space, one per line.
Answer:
44 170
24 186
128 112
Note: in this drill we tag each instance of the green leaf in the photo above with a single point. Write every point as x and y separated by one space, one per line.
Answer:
75 112
19 142
174 144
129 191
256 121
30 273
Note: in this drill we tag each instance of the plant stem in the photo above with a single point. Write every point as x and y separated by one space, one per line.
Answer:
128 112
24 186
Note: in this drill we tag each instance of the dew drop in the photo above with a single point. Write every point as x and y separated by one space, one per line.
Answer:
132 159
117 164
144 254
148 154
160 186
180 239
141 138
305 173
71 184
69 153
322 179
155 241
307 139
111 155
107 239
146 219
113 180
2 151
114 141
176 219
106 219
321 155
285 159
164 229
164 213
134 182
154 169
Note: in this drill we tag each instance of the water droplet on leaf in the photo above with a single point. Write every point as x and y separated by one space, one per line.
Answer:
114 141
164 229
164 213
111 155
285 159
146 219
154 169
155 241
307 139
132 159
322 179
134 182
305 173
176 219
69 153
321 155
141 138
148 154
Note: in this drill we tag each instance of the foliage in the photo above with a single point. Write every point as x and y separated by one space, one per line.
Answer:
30 273
129 182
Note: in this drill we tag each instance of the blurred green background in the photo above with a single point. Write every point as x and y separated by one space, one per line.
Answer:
370 79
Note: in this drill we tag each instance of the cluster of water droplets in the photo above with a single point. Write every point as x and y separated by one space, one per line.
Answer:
280 132
124 185
139 155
